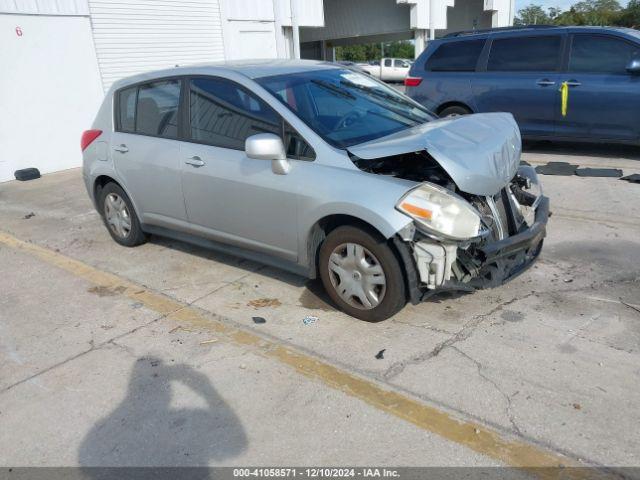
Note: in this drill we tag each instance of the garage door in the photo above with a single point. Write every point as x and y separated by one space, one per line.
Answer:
142 35
49 91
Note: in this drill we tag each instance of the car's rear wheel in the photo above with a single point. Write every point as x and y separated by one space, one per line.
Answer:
119 216
454 111
361 274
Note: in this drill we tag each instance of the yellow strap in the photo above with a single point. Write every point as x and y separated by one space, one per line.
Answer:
564 94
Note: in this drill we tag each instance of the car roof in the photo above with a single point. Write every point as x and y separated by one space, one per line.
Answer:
250 68
528 29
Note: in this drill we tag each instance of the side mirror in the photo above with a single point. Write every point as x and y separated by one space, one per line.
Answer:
634 66
268 146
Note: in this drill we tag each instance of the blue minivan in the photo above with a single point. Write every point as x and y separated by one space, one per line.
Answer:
564 83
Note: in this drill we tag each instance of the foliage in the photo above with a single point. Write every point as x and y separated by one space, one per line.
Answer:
630 16
584 12
532 15
372 51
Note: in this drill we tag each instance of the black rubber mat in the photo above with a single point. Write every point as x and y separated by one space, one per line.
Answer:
599 172
633 178
557 168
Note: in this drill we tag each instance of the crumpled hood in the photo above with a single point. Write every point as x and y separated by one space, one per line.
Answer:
480 152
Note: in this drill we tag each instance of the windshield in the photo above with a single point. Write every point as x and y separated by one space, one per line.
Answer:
345 107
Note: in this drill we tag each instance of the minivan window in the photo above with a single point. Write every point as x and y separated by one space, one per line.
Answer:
601 54
157 109
224 114
455 56
525 54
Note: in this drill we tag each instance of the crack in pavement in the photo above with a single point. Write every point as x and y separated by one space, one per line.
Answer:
508 407
463 334
92 347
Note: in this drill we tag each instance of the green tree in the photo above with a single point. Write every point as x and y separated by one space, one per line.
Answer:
630 16
591 12
372 51
532 15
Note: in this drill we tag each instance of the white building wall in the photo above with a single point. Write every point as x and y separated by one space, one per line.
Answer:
50 90
45 7
133 36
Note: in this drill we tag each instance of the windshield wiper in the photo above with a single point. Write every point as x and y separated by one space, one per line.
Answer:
333 88
375 92
386 96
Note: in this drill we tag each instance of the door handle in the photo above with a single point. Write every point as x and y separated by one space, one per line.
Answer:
545 83
573 83
196 161
121 148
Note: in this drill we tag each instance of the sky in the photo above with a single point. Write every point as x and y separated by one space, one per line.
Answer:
563 4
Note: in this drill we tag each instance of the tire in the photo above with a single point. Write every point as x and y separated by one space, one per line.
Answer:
119 217
364 261
454 111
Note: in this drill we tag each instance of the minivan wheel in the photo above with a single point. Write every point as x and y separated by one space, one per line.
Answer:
454 111
119 216
361 274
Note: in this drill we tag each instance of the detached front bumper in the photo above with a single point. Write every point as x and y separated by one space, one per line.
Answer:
480 265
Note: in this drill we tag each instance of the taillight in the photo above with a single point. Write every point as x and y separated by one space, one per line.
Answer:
88 136
412 81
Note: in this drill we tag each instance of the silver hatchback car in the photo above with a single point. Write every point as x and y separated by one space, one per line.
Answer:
321 170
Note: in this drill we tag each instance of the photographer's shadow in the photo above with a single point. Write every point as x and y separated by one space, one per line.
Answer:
145 430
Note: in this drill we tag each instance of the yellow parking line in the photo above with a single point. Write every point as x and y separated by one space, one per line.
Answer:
477 437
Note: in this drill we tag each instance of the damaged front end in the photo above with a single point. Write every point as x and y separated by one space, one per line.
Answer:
465 234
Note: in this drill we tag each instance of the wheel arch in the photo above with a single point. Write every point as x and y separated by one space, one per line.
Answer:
325 225
99 183
454 103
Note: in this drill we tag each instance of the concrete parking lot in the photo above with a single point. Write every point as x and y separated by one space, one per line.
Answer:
150 356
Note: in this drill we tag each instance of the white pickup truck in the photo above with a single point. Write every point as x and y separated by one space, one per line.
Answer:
388 69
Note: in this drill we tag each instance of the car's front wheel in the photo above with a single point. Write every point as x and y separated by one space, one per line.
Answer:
361 274
119 216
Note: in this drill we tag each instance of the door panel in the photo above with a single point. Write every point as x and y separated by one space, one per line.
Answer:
145 152
236 199
151 169
521 77
532 98
604 100
240 200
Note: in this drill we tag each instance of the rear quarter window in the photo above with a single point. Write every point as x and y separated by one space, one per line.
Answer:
456 56
127 109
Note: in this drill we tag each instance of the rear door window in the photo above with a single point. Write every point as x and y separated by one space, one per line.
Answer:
150 109
455 57
387 62
224 114
601 54
157 109
525 54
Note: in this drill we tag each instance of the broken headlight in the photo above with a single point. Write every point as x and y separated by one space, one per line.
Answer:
440 212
